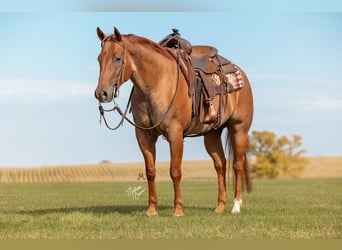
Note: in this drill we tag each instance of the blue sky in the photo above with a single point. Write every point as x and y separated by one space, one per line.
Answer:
49 72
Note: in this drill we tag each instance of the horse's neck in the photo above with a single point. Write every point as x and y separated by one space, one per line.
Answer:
150 70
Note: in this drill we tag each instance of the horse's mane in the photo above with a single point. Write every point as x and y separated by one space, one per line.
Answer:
142 40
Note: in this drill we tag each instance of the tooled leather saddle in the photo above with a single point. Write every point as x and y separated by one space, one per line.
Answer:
208 74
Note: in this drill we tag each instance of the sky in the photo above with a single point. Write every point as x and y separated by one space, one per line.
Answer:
49 71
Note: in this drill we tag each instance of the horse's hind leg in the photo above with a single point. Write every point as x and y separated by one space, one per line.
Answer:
239 140
214 148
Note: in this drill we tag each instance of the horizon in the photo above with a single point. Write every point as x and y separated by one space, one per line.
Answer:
135 163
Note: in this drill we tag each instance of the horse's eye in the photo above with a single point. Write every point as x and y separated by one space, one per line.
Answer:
117 58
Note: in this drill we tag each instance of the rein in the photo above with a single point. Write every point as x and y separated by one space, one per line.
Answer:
124 114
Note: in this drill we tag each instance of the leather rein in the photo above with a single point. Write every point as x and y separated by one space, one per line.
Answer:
124 114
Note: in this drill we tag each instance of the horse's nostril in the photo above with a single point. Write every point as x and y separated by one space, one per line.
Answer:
104 94
101 95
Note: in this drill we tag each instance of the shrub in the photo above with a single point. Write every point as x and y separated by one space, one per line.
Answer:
276 156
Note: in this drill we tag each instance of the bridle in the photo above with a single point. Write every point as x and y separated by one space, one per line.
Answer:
124 114
121 73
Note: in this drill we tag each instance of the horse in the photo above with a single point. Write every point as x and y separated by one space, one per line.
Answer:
161 106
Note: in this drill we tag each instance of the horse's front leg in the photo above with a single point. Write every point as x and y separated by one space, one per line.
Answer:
175 138
147 141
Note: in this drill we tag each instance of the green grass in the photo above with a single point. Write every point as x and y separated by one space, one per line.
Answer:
279 209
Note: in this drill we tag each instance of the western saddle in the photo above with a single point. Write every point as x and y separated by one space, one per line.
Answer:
208 74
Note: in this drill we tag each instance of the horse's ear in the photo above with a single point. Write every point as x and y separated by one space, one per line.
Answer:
117 34
100 34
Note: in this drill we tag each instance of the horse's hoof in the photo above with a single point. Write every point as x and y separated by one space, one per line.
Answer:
236 207
219 208
151 211
151 214
178 214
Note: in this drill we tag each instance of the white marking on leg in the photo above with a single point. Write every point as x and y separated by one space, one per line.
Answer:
236 206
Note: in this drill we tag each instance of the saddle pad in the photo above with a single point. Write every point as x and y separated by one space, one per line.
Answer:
234 80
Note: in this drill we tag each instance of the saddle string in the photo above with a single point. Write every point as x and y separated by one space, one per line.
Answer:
124 114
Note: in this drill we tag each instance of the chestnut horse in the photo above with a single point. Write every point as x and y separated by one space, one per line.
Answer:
160 100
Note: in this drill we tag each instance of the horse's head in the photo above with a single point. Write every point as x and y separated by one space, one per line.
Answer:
115 67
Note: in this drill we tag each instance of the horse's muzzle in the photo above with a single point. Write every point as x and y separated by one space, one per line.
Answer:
103 95
107 95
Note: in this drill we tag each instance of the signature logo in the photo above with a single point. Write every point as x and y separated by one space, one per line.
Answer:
135 192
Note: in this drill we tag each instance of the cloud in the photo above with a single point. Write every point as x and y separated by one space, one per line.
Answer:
297 92
293 78
43 90
321 103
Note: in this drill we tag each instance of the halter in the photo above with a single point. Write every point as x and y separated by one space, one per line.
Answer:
124 114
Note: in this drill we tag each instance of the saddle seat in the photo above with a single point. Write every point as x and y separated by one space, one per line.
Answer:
207 59
201 58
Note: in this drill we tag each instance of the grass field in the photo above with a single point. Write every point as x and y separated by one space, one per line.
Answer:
277 209
97 201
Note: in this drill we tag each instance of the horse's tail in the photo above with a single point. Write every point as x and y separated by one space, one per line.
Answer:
246 174
230 160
